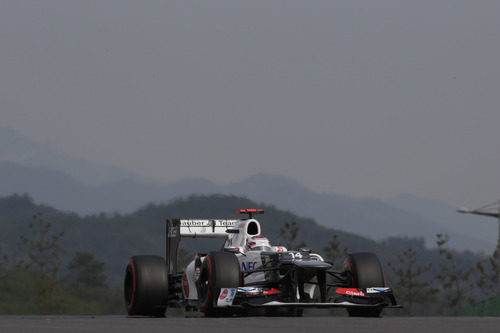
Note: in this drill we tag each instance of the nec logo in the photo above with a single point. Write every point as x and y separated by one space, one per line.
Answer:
248 266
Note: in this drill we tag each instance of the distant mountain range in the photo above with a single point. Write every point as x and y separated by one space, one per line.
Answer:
44 175
17 148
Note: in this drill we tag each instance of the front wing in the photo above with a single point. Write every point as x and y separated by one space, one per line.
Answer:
344 298
344 304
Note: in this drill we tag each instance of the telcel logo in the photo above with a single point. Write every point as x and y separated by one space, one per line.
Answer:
224 294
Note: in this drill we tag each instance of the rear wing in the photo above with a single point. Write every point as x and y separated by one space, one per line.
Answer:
202 228
206 228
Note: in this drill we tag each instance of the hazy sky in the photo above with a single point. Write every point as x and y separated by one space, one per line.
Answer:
365 98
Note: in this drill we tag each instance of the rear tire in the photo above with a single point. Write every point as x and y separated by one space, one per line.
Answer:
146 286
365 271
218 270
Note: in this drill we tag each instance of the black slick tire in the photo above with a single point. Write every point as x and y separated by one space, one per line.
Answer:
365 271
218 270
146 286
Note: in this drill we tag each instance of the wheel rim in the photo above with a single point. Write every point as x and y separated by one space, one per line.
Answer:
204 296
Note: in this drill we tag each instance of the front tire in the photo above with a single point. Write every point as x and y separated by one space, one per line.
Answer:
365 271
146 286
218 270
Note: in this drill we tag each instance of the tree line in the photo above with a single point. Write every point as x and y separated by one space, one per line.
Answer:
422 286
44 270
43 281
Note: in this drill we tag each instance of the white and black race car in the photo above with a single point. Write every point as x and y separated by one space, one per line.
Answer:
248 276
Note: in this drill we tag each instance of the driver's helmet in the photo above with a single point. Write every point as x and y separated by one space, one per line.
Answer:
258 243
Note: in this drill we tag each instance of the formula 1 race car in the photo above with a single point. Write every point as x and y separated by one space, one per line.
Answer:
248 276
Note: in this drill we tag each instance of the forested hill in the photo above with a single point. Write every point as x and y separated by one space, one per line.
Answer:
114 238
405 215
426 281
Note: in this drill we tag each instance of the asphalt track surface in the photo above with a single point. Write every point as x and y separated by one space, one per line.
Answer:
111 324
